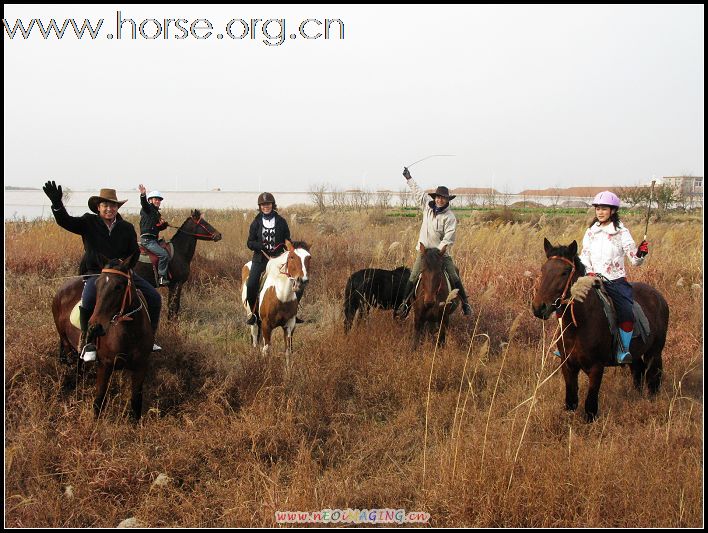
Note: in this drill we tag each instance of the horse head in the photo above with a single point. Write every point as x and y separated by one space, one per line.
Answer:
297 264
116 296
432 280
561 269
197 227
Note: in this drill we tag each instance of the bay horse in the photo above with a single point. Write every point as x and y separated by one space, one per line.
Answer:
194 228
119 327
586 343
277 303
373 287
431 306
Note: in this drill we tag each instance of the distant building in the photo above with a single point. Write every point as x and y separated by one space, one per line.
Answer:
690 185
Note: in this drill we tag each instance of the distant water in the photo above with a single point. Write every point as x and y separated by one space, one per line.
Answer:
35 204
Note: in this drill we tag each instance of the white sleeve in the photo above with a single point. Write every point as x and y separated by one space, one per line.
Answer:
630 248
419 194
585 252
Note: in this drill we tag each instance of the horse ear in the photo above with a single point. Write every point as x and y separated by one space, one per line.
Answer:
103 260
130 262
547 246
573 249
289 245
442 250
421 248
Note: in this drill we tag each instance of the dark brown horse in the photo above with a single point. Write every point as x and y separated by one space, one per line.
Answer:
119 327
587 342
431 306
185 243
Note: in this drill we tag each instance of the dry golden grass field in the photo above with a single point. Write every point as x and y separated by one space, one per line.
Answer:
473 433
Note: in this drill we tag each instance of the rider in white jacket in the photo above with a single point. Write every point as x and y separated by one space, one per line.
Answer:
605 245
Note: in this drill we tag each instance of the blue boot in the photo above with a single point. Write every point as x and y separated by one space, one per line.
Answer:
623 355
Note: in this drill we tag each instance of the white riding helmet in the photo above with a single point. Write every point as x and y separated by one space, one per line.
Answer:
155 194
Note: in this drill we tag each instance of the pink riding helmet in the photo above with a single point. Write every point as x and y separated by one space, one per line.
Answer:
606 198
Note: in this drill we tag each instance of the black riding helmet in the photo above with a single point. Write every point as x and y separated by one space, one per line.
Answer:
266 198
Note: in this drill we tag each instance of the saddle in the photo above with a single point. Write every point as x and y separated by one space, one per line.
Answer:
641 324
146 256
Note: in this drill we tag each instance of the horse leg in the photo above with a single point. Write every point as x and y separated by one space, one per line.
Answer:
136 397
254 335
103 376
266 331
417 333
178 298
638 369
591 400
443 333
570 375
171 302
654 366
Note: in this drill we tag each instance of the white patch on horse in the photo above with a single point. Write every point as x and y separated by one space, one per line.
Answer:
302 253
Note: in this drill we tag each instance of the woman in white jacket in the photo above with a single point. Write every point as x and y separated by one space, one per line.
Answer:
605 245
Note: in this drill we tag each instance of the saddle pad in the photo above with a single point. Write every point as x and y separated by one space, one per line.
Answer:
145 258
75 316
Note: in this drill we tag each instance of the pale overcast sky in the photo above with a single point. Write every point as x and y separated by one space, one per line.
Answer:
524 97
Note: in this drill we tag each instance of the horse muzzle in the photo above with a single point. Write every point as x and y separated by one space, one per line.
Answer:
543 311
217 237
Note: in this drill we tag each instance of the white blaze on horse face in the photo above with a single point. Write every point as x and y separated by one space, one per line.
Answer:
303 254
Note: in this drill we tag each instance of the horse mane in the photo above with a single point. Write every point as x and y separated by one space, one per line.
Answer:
401 269
301 244
113 263
564 251
432 257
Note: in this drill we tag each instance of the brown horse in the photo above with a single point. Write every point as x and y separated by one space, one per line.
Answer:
431 306
119 327
587 342
185 243
277 307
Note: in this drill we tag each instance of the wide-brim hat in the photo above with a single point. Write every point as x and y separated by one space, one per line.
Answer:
106 195
444 192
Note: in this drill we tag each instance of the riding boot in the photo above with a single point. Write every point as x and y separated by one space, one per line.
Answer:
405 307
466 308
87 352
623 355
253 318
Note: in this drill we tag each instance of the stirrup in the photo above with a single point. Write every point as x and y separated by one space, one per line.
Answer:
403 310
88 354
623 358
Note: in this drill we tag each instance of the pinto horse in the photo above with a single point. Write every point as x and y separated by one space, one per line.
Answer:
431 305
277 303
586 342
185 243
119 327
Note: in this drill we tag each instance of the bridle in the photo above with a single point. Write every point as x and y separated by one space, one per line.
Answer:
562 299
127 297
208 234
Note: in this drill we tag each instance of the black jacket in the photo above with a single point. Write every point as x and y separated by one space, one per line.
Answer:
120 243
149 219
255 237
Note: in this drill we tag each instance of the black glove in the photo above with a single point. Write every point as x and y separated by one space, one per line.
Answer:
406 173
53 191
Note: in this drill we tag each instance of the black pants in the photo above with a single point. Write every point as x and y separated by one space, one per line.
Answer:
252 285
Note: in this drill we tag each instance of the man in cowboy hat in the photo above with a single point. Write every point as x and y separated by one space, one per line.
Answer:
106 234
437 231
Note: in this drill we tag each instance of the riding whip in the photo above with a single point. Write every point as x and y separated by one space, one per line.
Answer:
651 197
436 155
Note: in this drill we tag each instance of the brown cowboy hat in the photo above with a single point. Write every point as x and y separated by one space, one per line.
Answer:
444 192
106 195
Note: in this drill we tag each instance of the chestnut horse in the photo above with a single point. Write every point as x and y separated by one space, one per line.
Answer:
586 343
194 229
119 327
431 306
277 302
